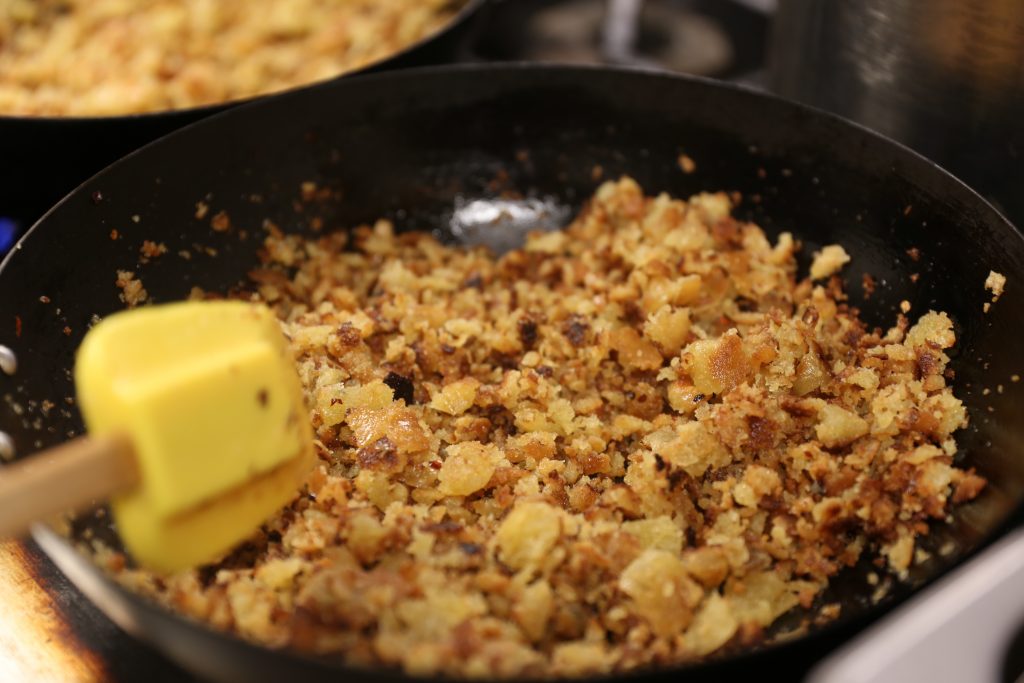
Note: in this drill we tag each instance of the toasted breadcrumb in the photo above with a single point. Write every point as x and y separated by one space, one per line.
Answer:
636 449
828 261
132 291
151 250
221 221
995 283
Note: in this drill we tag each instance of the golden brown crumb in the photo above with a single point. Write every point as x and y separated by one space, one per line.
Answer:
828 261
221 221
151 250
995 283
831 610
201 210
632 444
686 164
132 291
56 55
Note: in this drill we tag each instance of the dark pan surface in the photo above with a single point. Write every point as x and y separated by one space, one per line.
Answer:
414 146
44 158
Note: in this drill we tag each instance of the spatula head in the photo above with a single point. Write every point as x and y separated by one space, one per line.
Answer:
208 394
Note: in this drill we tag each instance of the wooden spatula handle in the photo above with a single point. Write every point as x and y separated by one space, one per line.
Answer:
66 478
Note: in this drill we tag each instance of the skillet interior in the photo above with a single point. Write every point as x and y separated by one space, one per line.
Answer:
411 146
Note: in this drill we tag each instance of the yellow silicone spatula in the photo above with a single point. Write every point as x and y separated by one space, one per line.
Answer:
197 433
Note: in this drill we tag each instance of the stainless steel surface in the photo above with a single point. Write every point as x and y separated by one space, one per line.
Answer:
958 630
619 31
945 77
717 38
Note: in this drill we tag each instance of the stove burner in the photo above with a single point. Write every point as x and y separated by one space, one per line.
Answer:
717 38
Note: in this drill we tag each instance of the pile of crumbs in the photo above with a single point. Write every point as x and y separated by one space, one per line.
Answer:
111 57
634 443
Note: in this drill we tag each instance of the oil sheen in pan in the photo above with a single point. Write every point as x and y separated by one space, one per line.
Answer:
502 224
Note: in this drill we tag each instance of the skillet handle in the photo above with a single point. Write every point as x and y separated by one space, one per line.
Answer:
65 478
959 629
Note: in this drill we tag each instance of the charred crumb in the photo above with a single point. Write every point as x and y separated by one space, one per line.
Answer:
528 333
401 386
576 329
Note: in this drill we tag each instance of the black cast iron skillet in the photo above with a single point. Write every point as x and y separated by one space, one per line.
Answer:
43 158
417 147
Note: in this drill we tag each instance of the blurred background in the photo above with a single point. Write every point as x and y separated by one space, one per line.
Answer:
945 77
